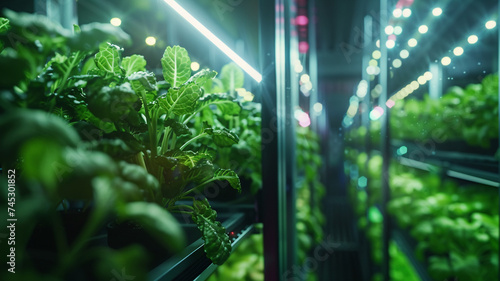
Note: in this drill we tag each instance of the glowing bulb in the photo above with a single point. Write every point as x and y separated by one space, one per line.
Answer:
414 85
397 63
406 13
491 24
195 66
437 12
421 80
116 21
390 44
404 54
458 51
397 13
472 39
390 103
398 30
376 54
377 43
428 75
389 30
373 63
423 29
318 107
446 61
305 78
412 42
150 40
298 68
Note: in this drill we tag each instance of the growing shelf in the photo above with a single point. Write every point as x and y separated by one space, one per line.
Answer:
192 264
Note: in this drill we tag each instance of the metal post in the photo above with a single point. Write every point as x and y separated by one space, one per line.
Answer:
60 11
278 140
436 83
385 139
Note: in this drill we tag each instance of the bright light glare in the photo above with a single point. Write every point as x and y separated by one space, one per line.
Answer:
298 68
412 42
389 30
376 113
414 85
421 80
373 63
305 78
195 66
397 13
376 54
458 51
390 44
150 40
362 89
398 30
116 21
490 24
404 54
406 13
397 63
428 75
318 107
423 29
437 12
214 39
472 39
377 43
446 61
390 103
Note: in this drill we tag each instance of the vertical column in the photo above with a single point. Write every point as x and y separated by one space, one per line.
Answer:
384 139
436 83
60 11
278 139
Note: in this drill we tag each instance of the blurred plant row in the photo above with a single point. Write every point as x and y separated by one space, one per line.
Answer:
93 132
454 225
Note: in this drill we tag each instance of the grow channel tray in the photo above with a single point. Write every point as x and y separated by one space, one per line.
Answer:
192 263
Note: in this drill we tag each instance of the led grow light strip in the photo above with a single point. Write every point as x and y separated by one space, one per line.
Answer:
214 39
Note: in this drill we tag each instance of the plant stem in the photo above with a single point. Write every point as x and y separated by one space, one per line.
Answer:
198 186
193 139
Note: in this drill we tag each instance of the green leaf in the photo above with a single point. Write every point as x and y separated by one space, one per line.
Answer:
202 77
224 103
190 158
112 104
4 25
217 242
230 176
179 128
203 171
133 64
108 58
181 101
76 29
157 221
232 77
176 65
222 137
142 81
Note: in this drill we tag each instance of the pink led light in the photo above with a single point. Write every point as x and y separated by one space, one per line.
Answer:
303 47
390 103
301 20
304 120
392 37
379 110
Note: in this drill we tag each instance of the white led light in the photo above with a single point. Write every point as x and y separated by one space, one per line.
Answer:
446 61
423 29
458 51
490 24
397 13
389 30
150 40
428 75
116 21
214 39
298 68
305 78
404 54
437 12
406 13
472 39
398 30
397 63
195 66
318 107
373 63
421 80
414 85
376 54
390 44
412 42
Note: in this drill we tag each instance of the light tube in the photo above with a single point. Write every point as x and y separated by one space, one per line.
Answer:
214 39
